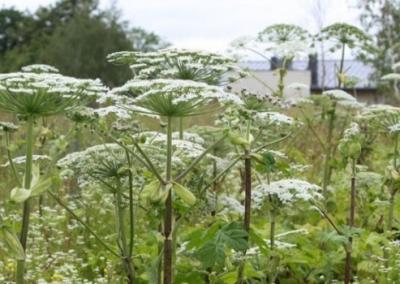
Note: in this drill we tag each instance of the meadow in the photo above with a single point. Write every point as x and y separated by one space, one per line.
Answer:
174 178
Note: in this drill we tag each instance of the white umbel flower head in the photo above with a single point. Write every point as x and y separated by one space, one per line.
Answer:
339 95
182 64
44 94
286 191
273 118
174 98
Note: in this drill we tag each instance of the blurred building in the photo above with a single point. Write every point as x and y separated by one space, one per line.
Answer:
318 75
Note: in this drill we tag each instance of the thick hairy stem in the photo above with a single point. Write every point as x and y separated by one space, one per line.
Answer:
393 190
247 190
272 229
328 152
247 204
131 207
348 265
282 74
123 244
27 206
168 211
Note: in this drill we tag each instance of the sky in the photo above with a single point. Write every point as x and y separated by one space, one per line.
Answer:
213 24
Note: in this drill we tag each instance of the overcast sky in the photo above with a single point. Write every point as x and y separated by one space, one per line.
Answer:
212 24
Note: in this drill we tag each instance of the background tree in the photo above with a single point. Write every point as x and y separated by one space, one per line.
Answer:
382 19
74 36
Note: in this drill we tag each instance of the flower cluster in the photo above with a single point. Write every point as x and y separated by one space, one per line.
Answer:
44 94
181 64
343 98
280 40
286 191
167 97
273 118
39 68
94 164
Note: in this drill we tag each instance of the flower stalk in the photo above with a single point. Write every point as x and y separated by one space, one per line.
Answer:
348 263
27 206
168 210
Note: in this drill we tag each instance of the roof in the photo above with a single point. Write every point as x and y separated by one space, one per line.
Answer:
353 68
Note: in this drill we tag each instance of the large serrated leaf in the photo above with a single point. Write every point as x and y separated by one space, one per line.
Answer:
233 236
211 254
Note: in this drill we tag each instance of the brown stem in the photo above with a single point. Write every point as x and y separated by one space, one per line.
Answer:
247 190
168 240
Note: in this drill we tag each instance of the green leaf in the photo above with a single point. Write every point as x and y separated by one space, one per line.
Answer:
35 175
19 194
10 245
233 236
259 241
185 194
211 253
41 187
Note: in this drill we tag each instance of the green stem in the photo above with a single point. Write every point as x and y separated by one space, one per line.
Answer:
282 74
199 158
220 174
272 143
27 207
126 259
10 160
348 265
328 151
341 66
148 163
181 128
168 210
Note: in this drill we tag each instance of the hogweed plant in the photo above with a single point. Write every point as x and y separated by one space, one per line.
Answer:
350 148
281 41
337 107
232 197
169 99
343 36
38 91
274 196
247 124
